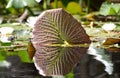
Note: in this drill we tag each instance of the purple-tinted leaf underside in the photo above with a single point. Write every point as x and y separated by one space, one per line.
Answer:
54 33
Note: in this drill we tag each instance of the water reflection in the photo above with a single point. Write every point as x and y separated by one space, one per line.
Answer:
97 63
101 55
5 64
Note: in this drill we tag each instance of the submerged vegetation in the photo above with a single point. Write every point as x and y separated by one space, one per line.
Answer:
100 21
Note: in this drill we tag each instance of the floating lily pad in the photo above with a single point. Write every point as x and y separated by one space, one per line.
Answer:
112 44
31 50
111 41
16 4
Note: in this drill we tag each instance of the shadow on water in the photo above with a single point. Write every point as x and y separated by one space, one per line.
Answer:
97 63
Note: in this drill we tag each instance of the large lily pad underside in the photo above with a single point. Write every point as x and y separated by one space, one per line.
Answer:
59 40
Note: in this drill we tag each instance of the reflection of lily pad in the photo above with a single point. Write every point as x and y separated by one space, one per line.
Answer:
59 40
113 49
100 55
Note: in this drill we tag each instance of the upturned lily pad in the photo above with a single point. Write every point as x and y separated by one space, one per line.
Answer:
60 41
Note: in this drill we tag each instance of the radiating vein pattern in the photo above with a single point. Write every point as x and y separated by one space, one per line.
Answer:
57 27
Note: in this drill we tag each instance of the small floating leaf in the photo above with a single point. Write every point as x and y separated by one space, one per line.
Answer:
111 41
58 39
31 50
112 44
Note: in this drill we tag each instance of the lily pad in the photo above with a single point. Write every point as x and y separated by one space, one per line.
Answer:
16 4
74 10
60 42
112 44
107 9
111 41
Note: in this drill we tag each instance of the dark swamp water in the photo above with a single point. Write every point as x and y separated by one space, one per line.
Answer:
90 66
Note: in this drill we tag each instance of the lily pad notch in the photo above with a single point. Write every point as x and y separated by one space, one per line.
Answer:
59 41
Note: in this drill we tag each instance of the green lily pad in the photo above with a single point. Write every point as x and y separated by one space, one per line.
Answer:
16 4
74 8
